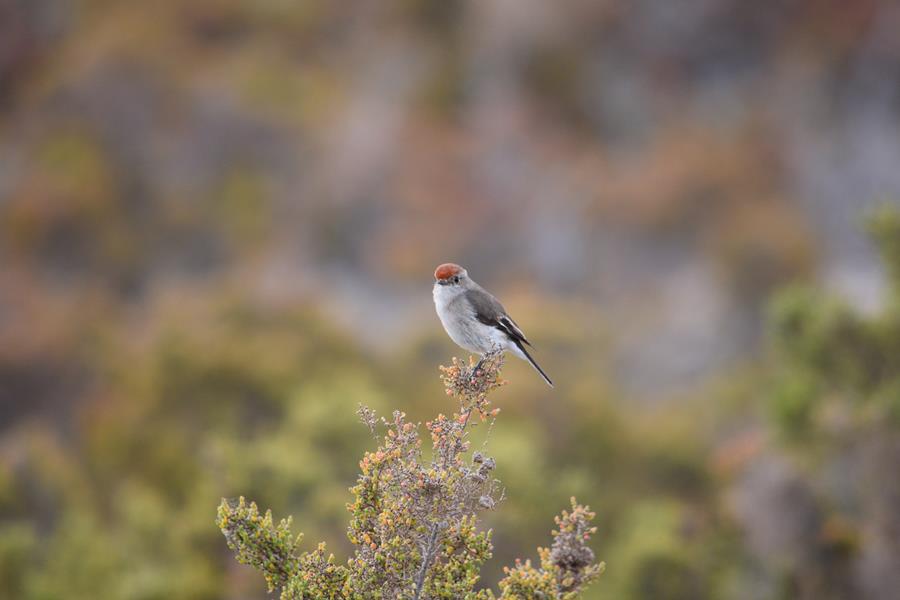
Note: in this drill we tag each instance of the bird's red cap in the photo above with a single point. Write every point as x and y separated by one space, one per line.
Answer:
447 270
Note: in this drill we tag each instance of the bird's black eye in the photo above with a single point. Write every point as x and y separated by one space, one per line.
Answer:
456 279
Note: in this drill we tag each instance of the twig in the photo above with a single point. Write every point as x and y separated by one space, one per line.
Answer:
427 556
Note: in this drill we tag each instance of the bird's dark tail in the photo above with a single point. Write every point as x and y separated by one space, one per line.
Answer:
536 366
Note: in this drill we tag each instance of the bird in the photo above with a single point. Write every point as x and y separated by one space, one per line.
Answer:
475 319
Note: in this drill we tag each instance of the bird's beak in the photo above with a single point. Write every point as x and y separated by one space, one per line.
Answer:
442 281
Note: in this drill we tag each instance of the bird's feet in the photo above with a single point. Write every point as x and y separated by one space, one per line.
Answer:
477 367
487 356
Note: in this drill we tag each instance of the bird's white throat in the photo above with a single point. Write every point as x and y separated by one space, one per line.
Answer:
444 295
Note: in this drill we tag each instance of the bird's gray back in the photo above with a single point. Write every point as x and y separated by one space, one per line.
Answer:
484 303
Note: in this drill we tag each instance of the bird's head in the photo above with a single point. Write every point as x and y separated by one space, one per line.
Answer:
450 274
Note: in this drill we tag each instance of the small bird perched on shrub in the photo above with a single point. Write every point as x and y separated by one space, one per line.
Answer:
474 319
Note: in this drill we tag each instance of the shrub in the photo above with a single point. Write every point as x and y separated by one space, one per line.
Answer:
414 520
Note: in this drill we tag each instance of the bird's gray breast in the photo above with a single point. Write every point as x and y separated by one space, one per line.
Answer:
458 318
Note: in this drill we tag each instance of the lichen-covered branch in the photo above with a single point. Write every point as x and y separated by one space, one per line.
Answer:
567 567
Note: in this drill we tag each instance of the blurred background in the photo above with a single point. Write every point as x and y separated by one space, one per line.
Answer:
219 221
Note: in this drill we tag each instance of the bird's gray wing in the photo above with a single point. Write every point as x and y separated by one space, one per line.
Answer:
489 311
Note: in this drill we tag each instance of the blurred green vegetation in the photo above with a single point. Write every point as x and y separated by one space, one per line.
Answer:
113 500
